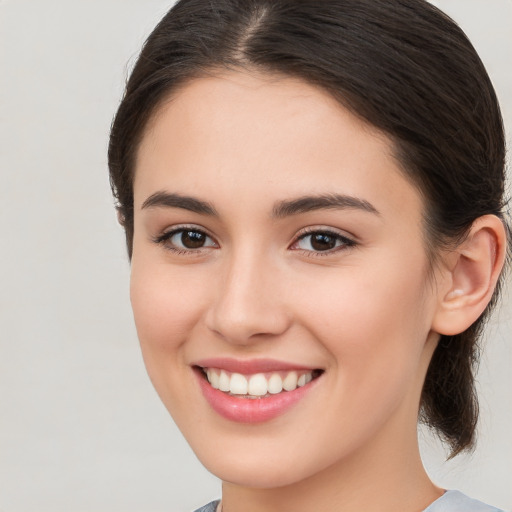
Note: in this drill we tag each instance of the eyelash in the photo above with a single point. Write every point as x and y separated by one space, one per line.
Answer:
345 242
164 240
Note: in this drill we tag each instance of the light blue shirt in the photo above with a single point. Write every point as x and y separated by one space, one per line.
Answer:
450 501
455 501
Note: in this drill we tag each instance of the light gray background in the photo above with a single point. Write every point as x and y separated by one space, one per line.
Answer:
81 429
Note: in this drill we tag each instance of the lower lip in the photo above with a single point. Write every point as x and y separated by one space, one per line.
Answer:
248 410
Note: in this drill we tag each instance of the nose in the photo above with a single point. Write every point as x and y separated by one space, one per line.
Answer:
249 303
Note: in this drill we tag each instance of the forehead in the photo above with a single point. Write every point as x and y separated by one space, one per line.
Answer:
266 137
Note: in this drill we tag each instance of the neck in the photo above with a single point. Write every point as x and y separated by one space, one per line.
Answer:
382 479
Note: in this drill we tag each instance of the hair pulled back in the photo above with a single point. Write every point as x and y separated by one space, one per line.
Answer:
404 67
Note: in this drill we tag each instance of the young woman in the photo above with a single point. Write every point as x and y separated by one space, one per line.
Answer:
313 199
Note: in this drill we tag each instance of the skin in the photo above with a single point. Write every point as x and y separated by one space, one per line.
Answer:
362 313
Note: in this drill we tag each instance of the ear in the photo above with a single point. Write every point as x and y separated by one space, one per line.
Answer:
469 276
120 216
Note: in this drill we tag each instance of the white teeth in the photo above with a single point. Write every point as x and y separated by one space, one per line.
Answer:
238 384
256 385
290 381
213 377
224 381
275 384
304 379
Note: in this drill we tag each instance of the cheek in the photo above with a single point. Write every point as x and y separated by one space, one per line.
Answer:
166 303
374 324
167 307
375 332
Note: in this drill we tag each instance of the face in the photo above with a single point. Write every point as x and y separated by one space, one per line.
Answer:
280 283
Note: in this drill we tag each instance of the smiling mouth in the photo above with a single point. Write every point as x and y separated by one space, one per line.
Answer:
258 385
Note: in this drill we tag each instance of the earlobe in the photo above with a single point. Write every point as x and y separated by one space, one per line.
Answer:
470 279
120 217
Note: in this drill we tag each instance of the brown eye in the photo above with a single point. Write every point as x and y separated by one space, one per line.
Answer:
185 240
193 239
322 241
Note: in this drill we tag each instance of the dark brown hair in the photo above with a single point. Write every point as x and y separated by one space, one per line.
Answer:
401 65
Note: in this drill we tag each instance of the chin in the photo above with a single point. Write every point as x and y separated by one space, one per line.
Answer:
263 463
256 474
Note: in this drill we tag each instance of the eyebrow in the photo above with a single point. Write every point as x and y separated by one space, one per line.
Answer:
322 202
171 200
280 210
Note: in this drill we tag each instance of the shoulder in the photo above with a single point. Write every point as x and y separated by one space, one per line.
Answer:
450 501
211 507
455 501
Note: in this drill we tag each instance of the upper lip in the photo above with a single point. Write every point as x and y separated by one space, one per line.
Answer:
250 366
